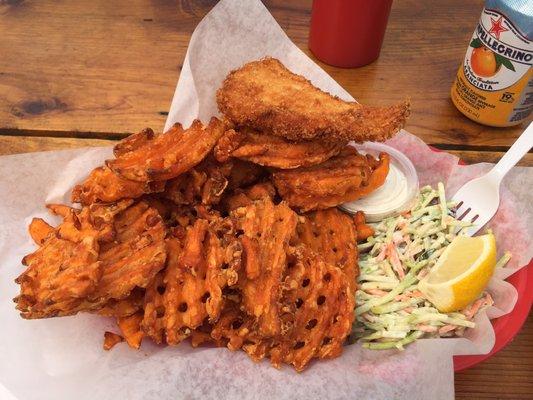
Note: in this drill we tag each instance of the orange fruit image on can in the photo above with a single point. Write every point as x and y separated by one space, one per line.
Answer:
483 62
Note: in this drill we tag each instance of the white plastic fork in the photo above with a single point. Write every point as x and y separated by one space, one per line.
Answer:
478 200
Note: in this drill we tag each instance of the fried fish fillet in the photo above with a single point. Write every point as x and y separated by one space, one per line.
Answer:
274 151
266 96
345 177
168 155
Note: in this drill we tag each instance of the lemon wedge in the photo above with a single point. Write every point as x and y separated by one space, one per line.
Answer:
461 273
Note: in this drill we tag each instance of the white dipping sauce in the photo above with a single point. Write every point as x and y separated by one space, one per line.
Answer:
394 196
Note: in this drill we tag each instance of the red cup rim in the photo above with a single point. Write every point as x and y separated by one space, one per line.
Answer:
507 326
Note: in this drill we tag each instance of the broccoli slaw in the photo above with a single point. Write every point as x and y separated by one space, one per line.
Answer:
391 312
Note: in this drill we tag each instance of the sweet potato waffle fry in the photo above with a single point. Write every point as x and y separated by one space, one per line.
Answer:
78 224
185 295
190 292
94 219
203 184
123 307
136 255
333 235
103 185
168 155
111 339
133 142
275 151
153 323
244 173
364 231
60 275
342 178
233 327
318 311
40 230
237 330
267 231
246 196
77 242
206 233
130 327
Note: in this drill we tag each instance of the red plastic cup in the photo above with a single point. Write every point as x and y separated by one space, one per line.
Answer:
348 33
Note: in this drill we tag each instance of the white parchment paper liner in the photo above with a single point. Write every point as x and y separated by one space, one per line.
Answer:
62 358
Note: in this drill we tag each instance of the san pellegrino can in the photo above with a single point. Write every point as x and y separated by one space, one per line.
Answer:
494 85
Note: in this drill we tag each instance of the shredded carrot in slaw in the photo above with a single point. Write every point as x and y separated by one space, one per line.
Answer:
391 311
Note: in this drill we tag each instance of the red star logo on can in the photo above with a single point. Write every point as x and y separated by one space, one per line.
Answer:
497 27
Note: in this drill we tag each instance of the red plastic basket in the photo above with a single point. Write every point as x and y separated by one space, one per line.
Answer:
507 326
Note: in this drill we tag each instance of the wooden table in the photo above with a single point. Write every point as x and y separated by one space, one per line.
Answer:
84 73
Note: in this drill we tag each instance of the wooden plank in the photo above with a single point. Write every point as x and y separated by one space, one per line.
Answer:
88 67
28 144
506 375
99 68
472 157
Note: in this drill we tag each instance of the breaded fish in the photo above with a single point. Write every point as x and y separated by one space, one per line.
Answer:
266 96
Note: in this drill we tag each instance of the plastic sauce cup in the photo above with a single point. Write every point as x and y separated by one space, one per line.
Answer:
398 192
